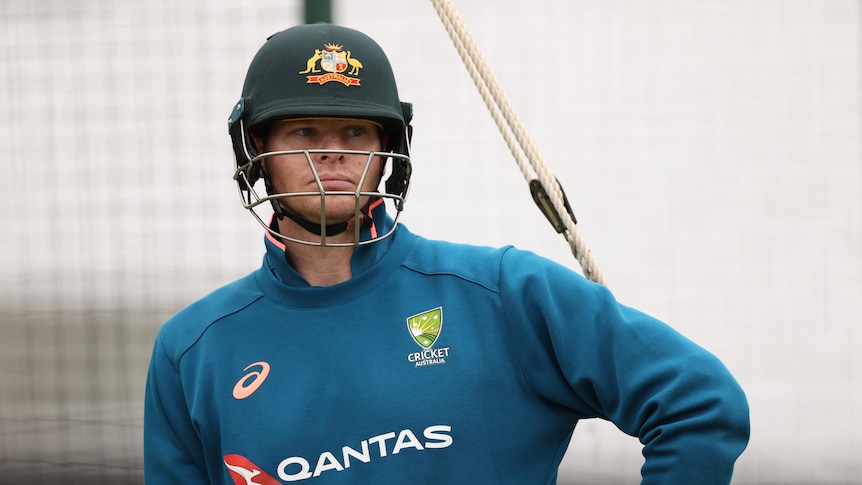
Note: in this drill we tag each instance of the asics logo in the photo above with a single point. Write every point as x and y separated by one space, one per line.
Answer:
249 383
245 472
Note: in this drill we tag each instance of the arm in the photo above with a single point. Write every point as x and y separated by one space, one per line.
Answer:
581 348
172 450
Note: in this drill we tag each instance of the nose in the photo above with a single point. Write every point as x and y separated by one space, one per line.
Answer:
330 141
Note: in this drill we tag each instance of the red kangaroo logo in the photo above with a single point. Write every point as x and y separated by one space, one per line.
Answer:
245 472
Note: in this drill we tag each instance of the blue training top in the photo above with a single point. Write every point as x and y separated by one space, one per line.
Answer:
437 363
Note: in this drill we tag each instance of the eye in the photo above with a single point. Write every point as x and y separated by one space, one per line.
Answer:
305 131
356 131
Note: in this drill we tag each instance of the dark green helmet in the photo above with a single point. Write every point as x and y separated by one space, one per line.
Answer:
319 70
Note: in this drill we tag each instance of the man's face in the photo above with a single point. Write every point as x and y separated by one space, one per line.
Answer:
337 172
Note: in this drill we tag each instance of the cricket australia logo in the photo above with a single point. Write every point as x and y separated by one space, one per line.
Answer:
425 328
333 61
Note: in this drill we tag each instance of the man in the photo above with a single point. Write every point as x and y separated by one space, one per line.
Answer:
362 353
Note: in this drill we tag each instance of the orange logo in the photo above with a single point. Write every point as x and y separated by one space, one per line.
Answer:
250 382
334 61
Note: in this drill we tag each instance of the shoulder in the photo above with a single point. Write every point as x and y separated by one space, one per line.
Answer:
434 257
182 330
486 265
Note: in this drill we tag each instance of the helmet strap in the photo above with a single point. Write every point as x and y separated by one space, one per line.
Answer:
312 227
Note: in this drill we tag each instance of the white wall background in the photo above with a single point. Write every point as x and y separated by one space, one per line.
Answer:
712 152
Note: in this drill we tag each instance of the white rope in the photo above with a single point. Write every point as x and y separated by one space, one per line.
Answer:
514 134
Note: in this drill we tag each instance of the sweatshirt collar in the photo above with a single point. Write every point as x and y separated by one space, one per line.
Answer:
370 264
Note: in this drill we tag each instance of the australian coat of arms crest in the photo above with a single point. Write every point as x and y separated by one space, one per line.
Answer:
335 64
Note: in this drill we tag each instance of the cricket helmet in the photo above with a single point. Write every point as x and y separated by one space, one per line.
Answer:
320 71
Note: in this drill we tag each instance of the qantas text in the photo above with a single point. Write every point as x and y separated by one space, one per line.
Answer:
296 468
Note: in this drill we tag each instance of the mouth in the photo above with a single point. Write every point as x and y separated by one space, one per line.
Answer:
335 184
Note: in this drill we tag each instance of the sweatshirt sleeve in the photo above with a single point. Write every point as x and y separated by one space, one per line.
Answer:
582 349
172 449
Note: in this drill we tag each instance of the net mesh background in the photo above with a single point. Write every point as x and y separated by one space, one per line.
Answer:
712 152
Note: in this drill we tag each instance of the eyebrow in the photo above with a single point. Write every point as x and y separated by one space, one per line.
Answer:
320 118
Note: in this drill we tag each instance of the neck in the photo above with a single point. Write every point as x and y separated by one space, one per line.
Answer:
319 265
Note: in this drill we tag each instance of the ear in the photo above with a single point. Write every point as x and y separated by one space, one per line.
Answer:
258 141
384 139
259 147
